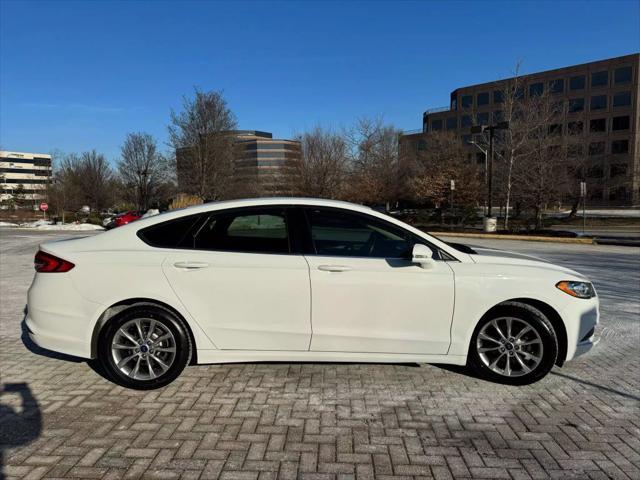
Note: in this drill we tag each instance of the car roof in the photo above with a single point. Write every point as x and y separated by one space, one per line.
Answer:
257 202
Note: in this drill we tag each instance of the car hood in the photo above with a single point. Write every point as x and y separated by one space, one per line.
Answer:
503 257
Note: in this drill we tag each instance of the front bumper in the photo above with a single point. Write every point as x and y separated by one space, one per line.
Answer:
581 317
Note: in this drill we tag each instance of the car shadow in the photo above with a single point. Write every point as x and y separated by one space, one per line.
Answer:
19 427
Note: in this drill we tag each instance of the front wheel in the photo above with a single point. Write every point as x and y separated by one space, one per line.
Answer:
515 345
144 347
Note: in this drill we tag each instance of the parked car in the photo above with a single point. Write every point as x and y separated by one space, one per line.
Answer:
301 280
125 218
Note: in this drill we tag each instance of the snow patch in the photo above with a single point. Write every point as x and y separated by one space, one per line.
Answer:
46 225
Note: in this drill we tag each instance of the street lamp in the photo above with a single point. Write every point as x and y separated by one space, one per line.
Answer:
490 223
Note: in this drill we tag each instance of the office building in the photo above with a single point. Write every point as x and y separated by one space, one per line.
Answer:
262 165
24 176
598 121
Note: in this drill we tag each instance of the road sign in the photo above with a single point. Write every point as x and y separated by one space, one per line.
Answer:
44 207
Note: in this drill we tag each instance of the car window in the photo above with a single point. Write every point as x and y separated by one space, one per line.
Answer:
172 233
254 231
339 233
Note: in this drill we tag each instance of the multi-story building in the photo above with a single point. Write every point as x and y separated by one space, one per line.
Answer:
24 176
263 166
599 121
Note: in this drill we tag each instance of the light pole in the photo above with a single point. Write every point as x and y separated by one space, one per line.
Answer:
486 159
490 221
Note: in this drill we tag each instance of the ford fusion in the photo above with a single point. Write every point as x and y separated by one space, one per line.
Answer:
301 280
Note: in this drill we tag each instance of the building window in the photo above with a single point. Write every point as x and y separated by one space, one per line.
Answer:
452 123
577 82
483 118
598 102
555 129
595 172
556 86
622 75
519 93
558 107
498 96
575 128
618 193
422 145
574 151
620 146
483 99
466 139
621 123
480 158
618 169
467 101
596 148
599 79
536 89
465 121
622 99
598 125
576 105
498 116
454 102
436 125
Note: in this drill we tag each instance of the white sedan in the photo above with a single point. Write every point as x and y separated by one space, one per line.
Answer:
301 280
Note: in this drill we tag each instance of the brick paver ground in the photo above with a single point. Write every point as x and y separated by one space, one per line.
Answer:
60 418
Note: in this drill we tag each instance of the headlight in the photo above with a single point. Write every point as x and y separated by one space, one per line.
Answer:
577 289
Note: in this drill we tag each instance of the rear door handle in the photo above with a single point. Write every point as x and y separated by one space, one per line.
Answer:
334 268
191 265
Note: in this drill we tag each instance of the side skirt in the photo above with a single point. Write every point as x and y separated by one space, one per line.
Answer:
239 356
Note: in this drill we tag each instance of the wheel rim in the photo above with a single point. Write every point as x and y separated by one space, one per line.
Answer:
510 346
143 349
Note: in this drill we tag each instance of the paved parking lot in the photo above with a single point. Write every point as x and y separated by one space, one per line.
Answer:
60 418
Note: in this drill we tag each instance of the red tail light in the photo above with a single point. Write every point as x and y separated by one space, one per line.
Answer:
45 262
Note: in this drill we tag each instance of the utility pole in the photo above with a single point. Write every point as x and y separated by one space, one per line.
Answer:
490 221
453 187
583 194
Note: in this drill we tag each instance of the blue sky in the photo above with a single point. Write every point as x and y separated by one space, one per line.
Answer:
81 75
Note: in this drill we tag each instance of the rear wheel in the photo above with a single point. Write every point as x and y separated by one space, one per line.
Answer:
144 347
515 345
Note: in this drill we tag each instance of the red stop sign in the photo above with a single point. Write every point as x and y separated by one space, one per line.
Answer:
44 207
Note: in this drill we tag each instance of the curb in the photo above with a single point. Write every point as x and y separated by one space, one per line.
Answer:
583 241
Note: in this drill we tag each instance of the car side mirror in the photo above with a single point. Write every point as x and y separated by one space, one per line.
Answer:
422 255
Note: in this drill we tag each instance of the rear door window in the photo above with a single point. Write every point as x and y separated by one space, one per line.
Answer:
261 230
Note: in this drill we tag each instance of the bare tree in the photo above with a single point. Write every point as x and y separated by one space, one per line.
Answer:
85 179
142 169
200 134
444 158
322 170
541 176
376 174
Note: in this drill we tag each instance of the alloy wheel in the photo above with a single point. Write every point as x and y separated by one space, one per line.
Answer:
143 349
511 347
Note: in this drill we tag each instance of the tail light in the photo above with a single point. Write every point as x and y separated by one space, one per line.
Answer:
45 263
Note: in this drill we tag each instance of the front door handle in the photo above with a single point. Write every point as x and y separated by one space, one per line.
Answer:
334 268
191 265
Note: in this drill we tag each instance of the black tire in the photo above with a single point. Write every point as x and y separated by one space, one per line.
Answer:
165 322
547 338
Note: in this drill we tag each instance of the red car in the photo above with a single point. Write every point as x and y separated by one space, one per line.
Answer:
126 217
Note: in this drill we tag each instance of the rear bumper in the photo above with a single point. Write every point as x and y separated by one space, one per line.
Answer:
58 317
56 342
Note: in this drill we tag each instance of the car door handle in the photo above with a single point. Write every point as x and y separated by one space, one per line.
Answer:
191 265
334 268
